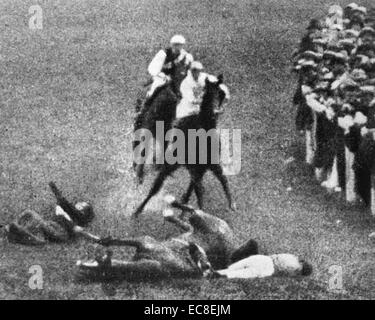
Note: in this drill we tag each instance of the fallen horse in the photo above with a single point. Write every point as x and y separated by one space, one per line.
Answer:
211 233
207 244
174 257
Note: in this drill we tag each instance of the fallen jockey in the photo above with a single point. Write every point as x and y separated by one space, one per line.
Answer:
68 223
192 90
173 257
162 64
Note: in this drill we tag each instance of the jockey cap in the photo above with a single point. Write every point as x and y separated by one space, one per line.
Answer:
178 39
352 5
196 65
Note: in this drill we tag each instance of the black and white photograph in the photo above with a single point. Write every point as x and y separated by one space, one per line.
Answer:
187 150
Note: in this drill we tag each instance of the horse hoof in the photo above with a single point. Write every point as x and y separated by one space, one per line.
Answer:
233 207
136 213
138 181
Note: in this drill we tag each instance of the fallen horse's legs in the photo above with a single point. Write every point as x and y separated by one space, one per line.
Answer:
120 269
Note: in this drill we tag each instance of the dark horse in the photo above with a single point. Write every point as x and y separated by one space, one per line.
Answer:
206 120
160 107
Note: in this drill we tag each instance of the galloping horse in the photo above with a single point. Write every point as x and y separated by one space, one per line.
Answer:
161 107
206 120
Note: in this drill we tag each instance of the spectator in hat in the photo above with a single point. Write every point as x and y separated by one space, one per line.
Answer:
334 18
370 72
348 11
307 77
367 49
348 45
359 76
339 68
359 12
356 23
367 36
306 43
366 96
319 44
351 34
370 18
307 71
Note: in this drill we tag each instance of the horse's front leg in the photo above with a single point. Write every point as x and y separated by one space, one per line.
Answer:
187 195
219 174
196 176
143 149
158 183
140 173
199 192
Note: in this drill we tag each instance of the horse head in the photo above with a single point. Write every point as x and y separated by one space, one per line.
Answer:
216 92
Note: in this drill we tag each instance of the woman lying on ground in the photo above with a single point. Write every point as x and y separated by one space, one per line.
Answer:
256 266
30 228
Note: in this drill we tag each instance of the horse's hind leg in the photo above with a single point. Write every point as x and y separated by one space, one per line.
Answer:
218 172
158 183
120 269
136 269
199 191
187 195
196 185
138 242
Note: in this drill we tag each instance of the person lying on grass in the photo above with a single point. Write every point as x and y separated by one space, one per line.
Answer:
256 266
30 228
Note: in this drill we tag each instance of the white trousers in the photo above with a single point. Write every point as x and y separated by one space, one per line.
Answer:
186 108
158 81
258 266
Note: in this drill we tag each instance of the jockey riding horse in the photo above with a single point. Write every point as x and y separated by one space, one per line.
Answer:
206 119
168 68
